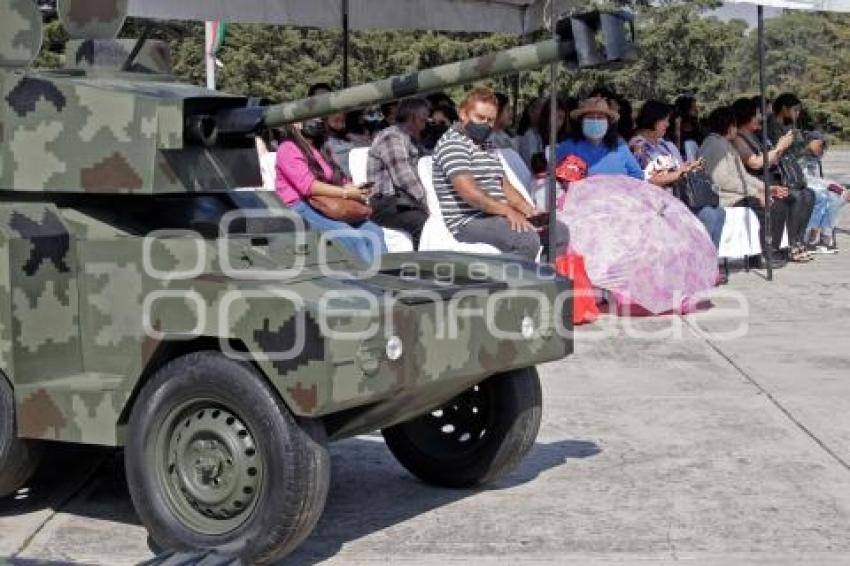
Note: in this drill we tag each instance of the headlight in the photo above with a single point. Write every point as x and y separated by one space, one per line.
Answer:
528 328
395 348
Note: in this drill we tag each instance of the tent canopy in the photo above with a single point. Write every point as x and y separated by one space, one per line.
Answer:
505 16
815 5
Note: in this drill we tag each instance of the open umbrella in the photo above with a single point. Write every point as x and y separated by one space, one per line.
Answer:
640 243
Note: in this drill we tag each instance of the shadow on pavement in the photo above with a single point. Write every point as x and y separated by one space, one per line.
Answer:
63 472
370 492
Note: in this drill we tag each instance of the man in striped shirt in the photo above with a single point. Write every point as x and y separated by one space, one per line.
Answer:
477 201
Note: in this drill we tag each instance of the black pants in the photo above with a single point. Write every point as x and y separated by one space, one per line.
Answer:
779 211
801 205
388 213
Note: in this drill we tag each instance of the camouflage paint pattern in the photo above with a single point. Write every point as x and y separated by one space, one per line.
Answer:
104 132
92 19
20 33
90 303
98 129
109 134
74 376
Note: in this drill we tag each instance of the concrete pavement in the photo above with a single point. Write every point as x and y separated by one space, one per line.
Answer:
718 438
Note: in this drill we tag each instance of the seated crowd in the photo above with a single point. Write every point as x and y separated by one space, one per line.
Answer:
667 145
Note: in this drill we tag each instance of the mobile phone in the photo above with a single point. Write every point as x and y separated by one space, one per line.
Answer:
367 185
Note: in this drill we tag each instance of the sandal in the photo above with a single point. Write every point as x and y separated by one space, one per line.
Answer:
799 254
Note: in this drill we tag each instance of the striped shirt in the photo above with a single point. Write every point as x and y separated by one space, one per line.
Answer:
455 155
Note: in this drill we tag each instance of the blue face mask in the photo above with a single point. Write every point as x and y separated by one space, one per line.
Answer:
594 128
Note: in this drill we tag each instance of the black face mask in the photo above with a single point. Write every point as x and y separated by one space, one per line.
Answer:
478 132
315 131
435 130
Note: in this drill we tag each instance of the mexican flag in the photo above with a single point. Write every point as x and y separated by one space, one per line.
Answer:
216 32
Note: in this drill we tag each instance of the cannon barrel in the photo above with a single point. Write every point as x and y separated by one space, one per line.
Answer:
423 82
584 40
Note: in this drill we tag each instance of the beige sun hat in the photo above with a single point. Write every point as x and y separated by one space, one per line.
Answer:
594 105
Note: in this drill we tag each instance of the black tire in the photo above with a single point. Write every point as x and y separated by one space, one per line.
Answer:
274 471
19 458
475 438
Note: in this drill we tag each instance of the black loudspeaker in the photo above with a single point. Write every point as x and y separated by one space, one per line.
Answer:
601 38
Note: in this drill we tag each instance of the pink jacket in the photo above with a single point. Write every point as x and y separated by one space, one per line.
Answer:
293 176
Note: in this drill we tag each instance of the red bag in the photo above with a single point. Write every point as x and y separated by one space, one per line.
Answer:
571 265
572 168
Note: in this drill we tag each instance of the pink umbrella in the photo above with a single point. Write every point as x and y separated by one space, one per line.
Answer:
640 243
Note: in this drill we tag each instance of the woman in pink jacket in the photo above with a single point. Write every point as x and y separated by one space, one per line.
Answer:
302 171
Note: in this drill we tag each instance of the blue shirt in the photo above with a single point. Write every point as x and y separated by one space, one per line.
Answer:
601 160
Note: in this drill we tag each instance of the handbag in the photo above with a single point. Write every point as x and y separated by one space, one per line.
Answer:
787 171
696 190
572 168
791 173
338 208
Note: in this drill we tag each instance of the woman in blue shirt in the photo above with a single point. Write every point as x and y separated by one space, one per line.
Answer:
598 143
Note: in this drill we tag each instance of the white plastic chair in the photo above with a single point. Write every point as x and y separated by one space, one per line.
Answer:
435 235
516 171
740 237
358 162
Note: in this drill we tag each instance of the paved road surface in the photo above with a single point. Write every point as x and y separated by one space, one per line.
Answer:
661 442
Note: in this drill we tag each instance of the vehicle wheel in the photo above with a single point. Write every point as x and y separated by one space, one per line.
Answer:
215 461
475 438
19 458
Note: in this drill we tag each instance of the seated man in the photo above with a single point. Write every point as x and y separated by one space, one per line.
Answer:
398 197
477 201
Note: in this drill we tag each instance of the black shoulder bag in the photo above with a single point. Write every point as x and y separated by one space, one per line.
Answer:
696 190
786 172
791 173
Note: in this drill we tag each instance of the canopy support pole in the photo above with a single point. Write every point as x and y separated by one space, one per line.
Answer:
515 84
515 97
209 56
768 233
346 38
554 67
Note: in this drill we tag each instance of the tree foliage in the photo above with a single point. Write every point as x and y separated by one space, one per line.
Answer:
682 51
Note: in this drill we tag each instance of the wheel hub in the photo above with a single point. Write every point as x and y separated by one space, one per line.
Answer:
213 471
456 428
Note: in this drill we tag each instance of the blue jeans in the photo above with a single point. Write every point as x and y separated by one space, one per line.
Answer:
355 238
825 213
713 218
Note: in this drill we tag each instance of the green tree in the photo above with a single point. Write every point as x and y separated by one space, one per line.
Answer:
682 51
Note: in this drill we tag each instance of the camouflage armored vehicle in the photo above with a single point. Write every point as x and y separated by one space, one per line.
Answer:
145 303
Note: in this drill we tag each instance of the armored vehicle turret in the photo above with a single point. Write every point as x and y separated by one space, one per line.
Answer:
147 303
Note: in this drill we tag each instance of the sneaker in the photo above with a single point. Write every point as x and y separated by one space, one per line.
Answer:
829 244
822 249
